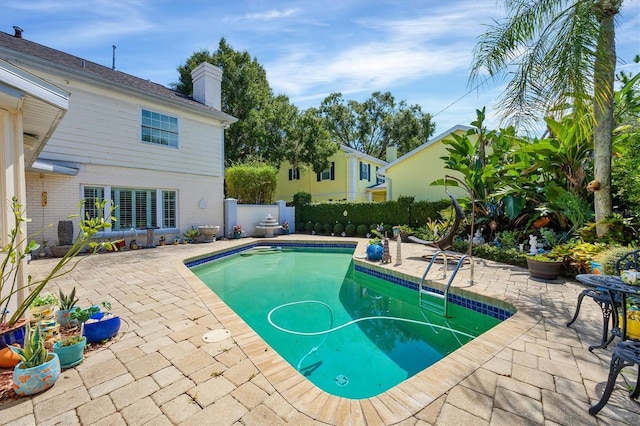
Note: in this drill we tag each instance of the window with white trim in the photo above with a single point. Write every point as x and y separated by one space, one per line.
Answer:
158 128
379 179
91 194
327 174
365 171
135 208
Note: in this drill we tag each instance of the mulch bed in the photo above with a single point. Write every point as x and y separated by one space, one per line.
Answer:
6 374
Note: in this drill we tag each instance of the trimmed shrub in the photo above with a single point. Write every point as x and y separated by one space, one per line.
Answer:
318 227
361 230
350 229
308 227
328 228
338 228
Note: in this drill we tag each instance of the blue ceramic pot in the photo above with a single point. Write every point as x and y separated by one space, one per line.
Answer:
29 381
15 335
101 330
374 252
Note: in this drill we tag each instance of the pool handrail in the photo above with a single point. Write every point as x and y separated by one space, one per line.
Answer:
445 295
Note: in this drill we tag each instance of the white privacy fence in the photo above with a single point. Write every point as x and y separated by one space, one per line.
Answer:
249 216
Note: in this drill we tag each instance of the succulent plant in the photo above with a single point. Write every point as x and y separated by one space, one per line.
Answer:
34 352
67 302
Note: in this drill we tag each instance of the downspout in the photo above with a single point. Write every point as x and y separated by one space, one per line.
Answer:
388 180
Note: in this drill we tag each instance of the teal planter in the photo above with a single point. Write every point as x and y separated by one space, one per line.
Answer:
29 381
70 356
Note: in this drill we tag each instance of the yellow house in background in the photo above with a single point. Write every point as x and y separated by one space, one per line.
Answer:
412 174
348 177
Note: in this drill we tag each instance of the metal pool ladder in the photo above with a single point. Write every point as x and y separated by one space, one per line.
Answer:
444 296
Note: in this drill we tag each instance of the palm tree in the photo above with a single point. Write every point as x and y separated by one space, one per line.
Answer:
562 56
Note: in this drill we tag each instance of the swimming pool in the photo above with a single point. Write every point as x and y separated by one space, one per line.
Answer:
293 298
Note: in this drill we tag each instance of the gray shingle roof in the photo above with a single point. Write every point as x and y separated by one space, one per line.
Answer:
22 51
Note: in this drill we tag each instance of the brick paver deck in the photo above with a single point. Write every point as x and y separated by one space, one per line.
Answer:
530 369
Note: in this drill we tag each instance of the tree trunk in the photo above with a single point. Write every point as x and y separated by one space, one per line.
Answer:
604 74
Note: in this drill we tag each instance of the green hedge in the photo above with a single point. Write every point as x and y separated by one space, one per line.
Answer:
403 212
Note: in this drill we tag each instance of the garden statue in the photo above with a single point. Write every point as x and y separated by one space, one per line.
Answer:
533 243
478 238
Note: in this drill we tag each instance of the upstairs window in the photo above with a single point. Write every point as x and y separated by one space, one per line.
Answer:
379 179
328 174
160 129
294 174
365 171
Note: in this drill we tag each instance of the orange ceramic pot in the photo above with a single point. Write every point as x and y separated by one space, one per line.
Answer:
8 359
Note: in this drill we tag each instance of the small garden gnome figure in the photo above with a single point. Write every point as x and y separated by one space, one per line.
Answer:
386 254
533 242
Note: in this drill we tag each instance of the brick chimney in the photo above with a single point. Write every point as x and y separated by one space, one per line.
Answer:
207 85
18 31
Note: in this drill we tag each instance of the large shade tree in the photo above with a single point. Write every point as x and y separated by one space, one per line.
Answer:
561 56
375 124
269 127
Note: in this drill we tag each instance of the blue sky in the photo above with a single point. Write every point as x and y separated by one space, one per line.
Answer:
419 50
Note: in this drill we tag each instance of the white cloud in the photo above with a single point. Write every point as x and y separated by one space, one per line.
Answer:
271 15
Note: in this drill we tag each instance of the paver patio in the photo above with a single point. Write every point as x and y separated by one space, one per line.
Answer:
530 369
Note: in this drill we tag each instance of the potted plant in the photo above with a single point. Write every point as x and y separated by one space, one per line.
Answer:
285 227
545 266
39 368
405 232
43 306
70 350
101 324
133 245
176 241
15 253
633 317
66 303
191 235
163 240
237 231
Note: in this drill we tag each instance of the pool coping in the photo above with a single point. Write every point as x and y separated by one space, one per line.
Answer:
396 404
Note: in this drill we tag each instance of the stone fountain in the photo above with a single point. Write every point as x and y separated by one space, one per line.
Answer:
268 225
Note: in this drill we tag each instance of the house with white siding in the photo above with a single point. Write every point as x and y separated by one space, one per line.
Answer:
155 154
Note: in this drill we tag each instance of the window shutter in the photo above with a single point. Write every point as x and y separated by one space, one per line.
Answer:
333 170
360 169
368 171
290 174
318 177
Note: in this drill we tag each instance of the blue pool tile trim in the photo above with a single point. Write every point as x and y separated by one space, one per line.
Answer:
492 311
215 256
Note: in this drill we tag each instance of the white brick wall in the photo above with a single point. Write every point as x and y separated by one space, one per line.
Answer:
64 194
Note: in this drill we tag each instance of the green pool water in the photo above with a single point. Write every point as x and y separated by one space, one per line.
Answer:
309 291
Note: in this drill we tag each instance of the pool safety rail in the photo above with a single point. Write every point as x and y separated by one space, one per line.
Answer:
444 296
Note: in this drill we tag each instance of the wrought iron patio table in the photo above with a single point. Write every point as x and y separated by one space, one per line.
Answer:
614 286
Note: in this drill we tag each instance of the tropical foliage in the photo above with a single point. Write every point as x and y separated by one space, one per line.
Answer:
561 58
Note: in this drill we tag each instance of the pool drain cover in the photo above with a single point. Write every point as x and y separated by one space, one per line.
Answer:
217 335
342 380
